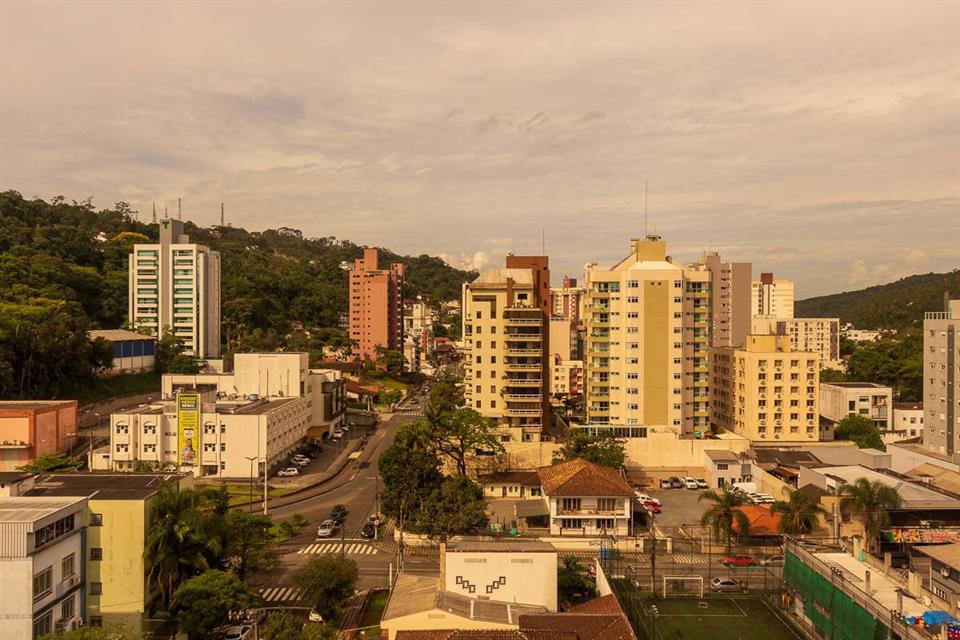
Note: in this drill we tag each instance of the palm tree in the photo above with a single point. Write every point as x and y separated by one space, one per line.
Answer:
871 502
175 547
724 511
799 514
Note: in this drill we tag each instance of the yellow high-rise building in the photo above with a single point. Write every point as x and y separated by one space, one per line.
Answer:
647 322
767 391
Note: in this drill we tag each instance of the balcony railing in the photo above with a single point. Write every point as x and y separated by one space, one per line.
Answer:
514 411
524 352
524 336
527 397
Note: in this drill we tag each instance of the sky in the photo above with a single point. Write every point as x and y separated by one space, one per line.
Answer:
820 141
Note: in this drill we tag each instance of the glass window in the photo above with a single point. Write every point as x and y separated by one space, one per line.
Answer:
42 583
43 626
96 553
68 566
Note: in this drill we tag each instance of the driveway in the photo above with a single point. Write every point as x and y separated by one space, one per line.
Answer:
680 506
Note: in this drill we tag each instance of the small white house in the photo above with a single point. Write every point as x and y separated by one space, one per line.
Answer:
523 571
586 499
724 468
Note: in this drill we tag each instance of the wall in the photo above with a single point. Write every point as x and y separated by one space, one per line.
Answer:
531 578
16 605
903 459
122 571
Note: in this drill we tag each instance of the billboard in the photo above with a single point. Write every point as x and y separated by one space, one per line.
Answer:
188 428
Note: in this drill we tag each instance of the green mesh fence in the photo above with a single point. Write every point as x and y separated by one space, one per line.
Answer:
832 612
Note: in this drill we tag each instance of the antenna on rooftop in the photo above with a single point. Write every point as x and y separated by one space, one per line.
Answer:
543 241
154 212
221 214
165 214
646 212
179 212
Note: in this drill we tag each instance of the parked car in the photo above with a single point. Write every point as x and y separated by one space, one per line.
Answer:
240 632
702 484
772 561
739 561
326 529
375 518
338 514
299 462
651 506
315 616
724 584
289 471
666 484
337 434
642 497
676 482
368 530
690 483
303 457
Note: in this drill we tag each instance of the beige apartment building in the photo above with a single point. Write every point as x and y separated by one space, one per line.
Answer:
506 340
941 378
767 391
817 335
730 288
175 284
868 399
647 322
770 297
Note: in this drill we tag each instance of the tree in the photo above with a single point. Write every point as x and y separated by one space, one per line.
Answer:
248 542
860 430
325 582
723 512
175 548
411 474
204 602
460 434
601 448
280 625
100 633
571 578
52 463
458 507
390 361
446 396
799 514
171 357
871 502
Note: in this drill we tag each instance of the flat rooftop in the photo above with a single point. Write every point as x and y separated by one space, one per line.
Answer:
914 495
104 486
257 407
857 385
13 476
118 335
507 546
142 409
31 405
22 509
882 589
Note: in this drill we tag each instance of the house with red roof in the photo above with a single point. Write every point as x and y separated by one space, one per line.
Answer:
586 499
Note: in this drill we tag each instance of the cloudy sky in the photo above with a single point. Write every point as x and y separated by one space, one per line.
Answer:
818 140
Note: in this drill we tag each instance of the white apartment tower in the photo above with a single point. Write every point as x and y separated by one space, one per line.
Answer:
772 298
175 286
647 322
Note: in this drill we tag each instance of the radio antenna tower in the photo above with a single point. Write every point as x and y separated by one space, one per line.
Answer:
154 212
646 212
179 212
221 214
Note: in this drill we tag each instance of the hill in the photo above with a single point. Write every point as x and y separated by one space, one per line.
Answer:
63 270
896 305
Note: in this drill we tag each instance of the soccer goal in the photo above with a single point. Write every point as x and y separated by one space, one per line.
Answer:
683 586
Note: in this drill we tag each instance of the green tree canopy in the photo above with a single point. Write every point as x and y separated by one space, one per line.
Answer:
52 463
799 514
171 357
411 474
281 625
871 502
459 435
203 602
601 448
723 512
457 507
326 582
248 543
860 430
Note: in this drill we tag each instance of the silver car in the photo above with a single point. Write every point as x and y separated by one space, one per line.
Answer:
725 584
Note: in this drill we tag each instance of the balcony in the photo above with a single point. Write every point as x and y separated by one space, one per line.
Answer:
524 352
524 397
523 366
522 321
520 412
523 382
536 337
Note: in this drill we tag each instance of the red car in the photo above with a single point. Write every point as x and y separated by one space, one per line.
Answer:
739 561
652 506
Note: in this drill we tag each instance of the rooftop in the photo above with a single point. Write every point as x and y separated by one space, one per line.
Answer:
32 405
255 408
856 385
13 476
762 521
507 546
499 275
118 335
721 455
908 406
915 496
13 510
104 486
882 589
948 554
581 478
785 457
527 478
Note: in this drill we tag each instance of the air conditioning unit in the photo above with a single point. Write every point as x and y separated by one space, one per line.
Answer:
77 623
61 625
72 581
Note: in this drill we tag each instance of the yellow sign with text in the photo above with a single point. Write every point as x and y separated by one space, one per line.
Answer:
188 428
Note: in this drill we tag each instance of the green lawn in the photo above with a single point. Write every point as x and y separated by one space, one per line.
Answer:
105 388
374 611
718 618
240 493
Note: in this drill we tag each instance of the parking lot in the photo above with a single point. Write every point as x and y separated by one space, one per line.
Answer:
679 506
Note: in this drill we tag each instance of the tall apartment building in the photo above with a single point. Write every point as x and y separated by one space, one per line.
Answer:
818 335
647 341
566 300
767 391
376 305
941 379
730 287
771 297
418 333
42 569
506 336
176 285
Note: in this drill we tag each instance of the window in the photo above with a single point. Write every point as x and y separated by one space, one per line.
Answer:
68 567
722 466
67 609
209 428
633 284
223 446
123 428
149 448
605 523
478 388
43 626
493 404
52 532
608 504
150 428
43 583
96 519
96 588
96 553
570 504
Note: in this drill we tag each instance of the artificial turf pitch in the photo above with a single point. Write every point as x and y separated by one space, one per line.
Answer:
722 618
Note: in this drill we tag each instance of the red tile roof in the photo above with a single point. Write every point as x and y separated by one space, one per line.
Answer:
581 478
762 522
603 604
586 626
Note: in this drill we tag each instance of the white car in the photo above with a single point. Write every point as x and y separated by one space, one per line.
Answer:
315 616
337 434
642 497
690 483
326 529
288 472
300 457
241 632
299 462
702 484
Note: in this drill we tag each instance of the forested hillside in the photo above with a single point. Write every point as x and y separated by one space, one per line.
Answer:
63 270
897 305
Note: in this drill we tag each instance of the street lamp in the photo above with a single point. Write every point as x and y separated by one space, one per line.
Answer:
252 460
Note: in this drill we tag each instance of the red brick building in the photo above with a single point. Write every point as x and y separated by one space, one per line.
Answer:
376 305
29 429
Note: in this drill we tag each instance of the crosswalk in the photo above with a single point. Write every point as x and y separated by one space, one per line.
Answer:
348 548
689 558
279 594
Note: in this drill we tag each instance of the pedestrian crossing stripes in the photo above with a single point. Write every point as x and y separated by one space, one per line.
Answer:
689 558
350 549
279 594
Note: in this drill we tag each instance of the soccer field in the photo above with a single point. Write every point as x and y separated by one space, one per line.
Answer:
723 618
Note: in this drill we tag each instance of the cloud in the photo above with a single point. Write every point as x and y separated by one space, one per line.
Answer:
911 261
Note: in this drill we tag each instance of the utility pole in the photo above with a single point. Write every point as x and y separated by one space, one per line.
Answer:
251 481
266 468
653 563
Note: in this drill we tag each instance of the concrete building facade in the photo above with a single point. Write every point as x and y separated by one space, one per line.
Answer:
868 399
730 288
506 339
586 499
376 305
42 553
132 352
772 298
815 335
908 419
417 333
647 341
767 391
175 285
941 379
566 301
32 428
